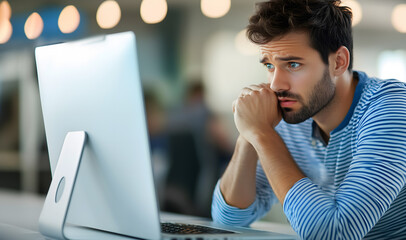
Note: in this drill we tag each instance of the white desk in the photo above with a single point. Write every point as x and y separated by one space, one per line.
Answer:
19 215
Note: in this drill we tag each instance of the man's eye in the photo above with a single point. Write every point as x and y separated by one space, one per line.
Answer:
269 66
294 65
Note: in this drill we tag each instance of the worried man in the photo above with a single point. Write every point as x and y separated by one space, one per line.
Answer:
327 142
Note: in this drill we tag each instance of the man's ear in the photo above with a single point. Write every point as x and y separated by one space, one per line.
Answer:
340 60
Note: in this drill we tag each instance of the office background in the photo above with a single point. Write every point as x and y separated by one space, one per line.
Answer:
194 59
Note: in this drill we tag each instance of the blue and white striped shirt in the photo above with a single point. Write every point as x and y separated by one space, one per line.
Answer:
355 184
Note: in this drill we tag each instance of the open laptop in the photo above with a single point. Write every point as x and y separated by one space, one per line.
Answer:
93 85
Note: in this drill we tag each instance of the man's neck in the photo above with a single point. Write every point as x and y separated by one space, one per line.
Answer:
334 113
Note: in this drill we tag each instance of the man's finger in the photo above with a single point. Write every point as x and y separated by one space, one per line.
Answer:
233 105
248 90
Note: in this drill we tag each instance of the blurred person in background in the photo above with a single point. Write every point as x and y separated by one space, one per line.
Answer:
198 147
324 140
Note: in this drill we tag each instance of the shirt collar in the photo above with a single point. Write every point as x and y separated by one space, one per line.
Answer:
361 76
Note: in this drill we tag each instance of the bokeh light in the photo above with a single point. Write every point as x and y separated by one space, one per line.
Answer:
153 11
5 10
6 29
399 18
33 26
215 8
108 14
69 19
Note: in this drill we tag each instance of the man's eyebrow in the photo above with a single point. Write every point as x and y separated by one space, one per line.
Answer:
289 58
263 60
286 59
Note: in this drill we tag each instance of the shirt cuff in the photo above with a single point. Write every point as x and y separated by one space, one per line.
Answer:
230 215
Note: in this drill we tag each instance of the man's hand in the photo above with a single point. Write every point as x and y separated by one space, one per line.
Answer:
256 114
256 110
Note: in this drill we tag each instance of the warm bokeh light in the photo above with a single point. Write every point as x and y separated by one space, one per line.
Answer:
5 10
153 11
215 8
69 19
5 30
399 18
33 26
108 14
245 46
356 10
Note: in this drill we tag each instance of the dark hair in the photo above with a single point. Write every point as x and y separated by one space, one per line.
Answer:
328 24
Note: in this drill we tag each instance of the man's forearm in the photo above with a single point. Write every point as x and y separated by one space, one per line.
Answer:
280 168
238 182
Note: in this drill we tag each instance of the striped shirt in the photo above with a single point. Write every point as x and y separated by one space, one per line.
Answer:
354 187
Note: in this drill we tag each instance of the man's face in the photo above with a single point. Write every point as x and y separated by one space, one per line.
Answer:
298 76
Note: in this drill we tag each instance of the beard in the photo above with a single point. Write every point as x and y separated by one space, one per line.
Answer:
319 98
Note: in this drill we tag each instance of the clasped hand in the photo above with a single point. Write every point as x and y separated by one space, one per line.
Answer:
256 111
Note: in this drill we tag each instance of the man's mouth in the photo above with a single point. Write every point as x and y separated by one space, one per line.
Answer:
286 102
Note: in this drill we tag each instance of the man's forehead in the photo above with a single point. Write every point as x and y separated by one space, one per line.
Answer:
287 45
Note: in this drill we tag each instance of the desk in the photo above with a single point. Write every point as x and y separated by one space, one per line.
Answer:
19 215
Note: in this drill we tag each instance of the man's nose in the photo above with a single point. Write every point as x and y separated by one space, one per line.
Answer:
279 81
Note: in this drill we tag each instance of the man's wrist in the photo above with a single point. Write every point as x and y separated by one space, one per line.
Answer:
264 138
245 147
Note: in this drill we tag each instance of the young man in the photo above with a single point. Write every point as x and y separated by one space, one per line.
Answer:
337 160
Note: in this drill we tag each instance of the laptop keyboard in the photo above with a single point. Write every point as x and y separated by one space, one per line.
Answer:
179 228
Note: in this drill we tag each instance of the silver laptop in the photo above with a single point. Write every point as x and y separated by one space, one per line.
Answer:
93 85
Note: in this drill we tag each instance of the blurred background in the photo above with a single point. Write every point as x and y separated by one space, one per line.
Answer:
194 59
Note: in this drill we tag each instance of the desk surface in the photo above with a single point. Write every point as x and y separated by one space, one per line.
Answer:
19 213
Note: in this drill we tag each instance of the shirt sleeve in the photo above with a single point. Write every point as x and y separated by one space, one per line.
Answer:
230 215
375 177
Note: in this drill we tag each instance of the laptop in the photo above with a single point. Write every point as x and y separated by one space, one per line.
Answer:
93 86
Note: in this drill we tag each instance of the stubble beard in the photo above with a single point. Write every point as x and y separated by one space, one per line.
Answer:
320 97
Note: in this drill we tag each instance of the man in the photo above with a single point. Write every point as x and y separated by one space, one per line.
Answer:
337 160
